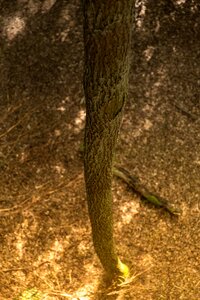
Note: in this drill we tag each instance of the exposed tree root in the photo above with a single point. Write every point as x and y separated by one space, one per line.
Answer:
140 189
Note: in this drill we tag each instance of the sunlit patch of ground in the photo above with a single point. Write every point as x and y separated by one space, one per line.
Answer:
13 26
46 250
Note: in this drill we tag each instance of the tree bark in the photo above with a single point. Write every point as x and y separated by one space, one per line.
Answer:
107 38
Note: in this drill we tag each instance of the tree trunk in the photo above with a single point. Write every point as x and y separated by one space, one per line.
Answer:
107 38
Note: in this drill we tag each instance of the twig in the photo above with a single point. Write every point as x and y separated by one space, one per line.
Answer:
10 110
18 122
13 126
139 188
14 208
62 294
185 112
22 206
25 268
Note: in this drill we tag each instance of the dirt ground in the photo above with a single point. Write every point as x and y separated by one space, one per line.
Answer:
45 242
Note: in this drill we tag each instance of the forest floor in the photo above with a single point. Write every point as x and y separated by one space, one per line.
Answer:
45 237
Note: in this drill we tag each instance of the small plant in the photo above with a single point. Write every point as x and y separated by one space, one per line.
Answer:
30 294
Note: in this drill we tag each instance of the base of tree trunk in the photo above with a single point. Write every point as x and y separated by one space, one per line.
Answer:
123 273
115 279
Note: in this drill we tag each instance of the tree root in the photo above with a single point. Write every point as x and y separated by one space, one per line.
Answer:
140 189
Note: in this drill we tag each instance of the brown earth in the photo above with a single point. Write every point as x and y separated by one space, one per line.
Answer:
45 242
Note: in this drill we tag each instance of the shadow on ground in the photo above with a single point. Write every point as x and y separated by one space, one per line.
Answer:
45 232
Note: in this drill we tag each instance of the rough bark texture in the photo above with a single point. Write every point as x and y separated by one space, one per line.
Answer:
107 35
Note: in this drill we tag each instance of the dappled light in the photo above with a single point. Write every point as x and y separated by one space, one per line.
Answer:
46 247
13 26
128 212
140 13
16 24
179 2
47 5
79 121
148 53
20 246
